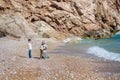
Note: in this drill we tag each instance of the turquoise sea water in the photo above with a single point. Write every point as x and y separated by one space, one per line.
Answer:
105 48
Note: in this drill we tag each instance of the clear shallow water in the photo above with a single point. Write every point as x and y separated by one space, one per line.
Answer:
105 48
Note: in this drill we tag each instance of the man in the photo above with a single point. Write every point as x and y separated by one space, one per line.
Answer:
30 48
43 50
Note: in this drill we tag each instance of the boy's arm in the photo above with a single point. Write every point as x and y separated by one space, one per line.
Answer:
46 46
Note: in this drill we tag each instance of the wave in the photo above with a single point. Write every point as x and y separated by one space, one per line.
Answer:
101 52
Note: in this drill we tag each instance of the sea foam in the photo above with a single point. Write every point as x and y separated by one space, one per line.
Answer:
101 52
118 33
72 38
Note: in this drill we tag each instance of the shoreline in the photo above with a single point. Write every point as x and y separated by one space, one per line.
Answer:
15 64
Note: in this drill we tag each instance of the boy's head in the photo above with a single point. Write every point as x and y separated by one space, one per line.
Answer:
29 40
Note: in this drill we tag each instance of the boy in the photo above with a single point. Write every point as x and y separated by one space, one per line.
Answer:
30 48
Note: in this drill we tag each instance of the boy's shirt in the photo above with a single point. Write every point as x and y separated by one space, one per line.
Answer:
30 46
43 47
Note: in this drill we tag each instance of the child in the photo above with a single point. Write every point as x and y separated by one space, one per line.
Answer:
30 48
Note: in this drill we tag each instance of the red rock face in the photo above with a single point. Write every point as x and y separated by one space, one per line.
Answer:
79 17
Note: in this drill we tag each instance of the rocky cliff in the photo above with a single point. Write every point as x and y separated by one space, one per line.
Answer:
53 18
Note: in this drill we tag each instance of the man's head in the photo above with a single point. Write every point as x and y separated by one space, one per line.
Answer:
43 42
29 40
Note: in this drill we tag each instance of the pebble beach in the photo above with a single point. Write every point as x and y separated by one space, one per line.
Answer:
15 64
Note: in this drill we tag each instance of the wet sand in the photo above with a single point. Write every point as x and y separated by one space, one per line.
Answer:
15 64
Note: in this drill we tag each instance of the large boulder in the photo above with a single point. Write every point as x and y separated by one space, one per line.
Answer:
15 25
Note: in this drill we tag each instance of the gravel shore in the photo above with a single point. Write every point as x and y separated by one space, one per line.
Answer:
15 64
